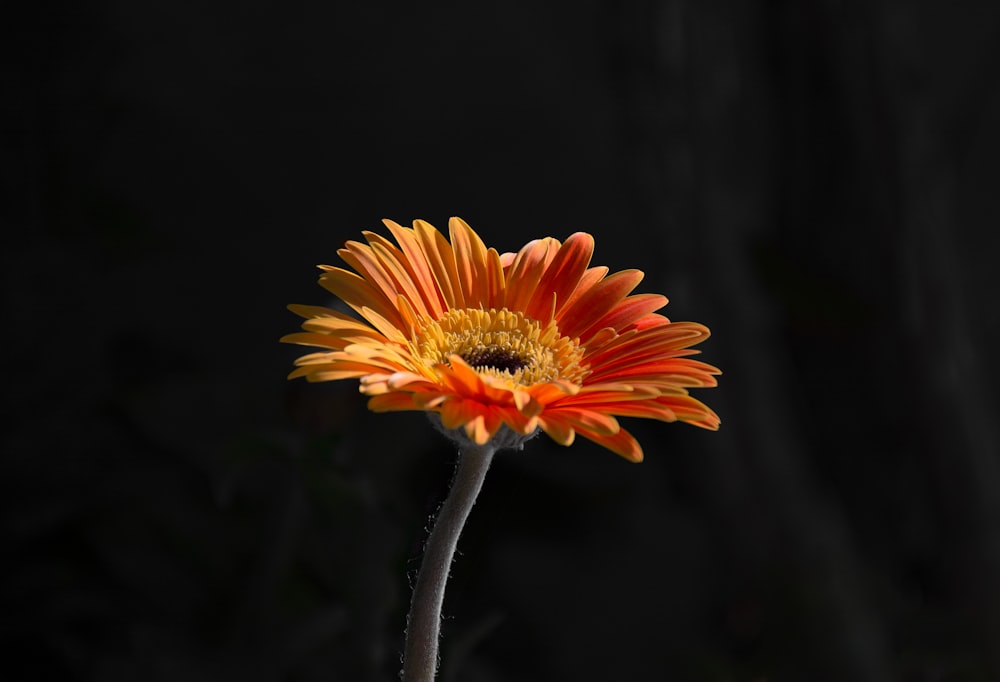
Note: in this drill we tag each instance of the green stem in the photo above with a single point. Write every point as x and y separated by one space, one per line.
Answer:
423 625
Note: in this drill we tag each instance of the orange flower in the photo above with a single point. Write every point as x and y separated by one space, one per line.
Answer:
527 340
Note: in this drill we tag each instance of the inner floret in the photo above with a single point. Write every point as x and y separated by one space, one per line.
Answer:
504 344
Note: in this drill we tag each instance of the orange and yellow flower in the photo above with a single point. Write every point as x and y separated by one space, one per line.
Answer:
531 340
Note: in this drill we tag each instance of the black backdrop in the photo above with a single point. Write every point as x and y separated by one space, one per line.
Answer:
814 181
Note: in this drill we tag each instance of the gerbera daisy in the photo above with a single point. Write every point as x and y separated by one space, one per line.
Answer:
493 342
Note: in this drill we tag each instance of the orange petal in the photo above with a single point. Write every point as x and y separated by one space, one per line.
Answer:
475 430
362 258
691 411
610 394
314 359
526 271
552 391
332 325
389 330
407 274
311 311
517 420
590 420
562 275
441 260
429 400
621 443
404 380
664 340
497 283
525 402
558 428
416 263
318 340
594 304
589 280
470 261
658 366
350 364
358 292
457 412
627 312
391 402
311 373
404 283
666 372
645 409
494 421
648 322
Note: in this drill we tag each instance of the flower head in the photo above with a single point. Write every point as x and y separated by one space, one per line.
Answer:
523 341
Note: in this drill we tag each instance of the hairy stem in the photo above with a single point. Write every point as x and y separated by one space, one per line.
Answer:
423 625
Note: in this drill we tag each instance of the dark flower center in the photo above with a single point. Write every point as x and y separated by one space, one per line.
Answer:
495 357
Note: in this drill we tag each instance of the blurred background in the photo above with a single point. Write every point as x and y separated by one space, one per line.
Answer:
816 182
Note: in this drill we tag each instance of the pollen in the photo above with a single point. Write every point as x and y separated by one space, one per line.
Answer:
504 344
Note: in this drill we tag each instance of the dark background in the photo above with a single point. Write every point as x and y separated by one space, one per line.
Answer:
817 182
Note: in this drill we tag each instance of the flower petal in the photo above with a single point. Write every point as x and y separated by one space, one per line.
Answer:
458 412
590 279
595 303
363 259
627 312
692 411
441 259
357 292
621 443
470 261
416 262
391 402
497 283
313 311
557 427
318 340
562 275
517 420
526 271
